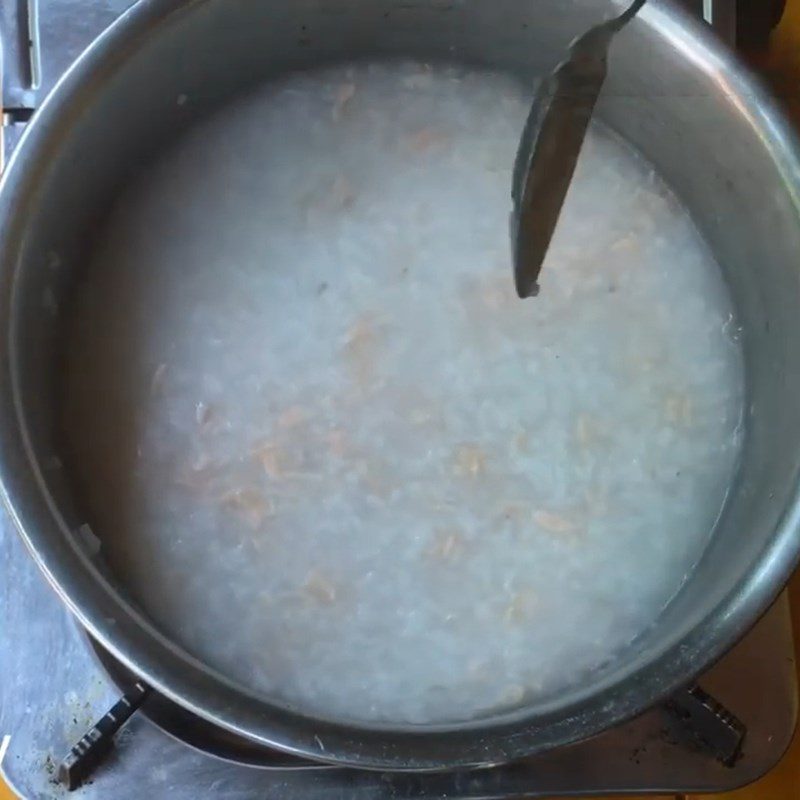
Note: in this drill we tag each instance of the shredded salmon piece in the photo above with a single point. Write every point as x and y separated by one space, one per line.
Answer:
678 408
157 381
523 605
554 523
272 458
360 350
420 416
291 417
331 196
522 441
626 244
448 546
470 460
374 481
198 474
587 431
512 695
204 414
421 79
344 94
342 194
249 504
337 443
320 588
494 291
426 139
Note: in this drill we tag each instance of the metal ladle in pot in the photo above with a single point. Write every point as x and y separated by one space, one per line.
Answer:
551 143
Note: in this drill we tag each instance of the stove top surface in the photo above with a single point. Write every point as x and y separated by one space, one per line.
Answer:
54 687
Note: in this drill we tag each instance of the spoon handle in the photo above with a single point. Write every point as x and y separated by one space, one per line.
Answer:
551 144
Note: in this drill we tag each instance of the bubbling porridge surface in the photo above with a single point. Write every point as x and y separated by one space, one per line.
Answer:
329 451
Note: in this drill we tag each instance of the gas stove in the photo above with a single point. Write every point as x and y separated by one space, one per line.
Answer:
55 687
57 684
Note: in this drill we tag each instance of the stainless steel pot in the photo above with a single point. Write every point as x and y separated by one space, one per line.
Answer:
672 91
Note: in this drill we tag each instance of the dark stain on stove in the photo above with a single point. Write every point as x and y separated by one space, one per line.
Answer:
666 735
669 737
636 752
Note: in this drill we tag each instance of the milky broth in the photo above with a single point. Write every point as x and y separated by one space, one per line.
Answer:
329 451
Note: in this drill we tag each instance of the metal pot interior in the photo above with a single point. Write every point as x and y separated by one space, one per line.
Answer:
672 93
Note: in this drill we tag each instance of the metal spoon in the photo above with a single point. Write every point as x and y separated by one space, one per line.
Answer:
551 143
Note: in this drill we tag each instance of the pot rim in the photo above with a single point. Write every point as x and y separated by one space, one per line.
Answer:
132 639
